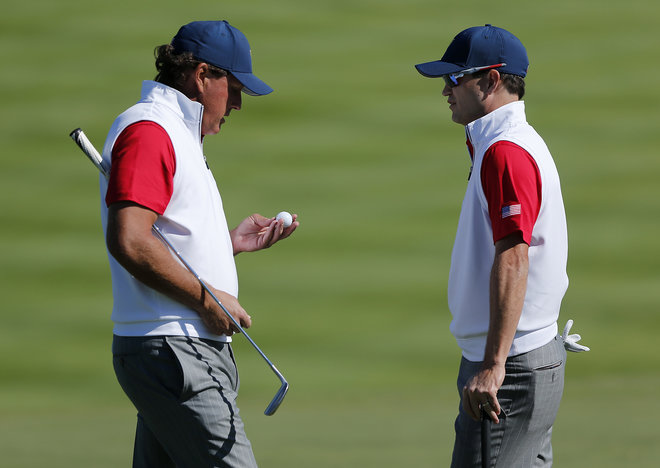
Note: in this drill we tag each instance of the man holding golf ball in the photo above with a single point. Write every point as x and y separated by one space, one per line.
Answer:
508 265
171 346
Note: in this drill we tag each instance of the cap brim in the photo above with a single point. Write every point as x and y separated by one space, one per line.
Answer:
438 68
252 85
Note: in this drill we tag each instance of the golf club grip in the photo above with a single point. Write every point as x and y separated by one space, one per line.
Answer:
485 440
90 151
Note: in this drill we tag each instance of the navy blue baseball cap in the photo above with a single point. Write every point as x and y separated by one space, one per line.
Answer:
222 45
480 46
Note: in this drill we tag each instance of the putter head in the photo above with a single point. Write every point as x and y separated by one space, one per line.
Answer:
277 400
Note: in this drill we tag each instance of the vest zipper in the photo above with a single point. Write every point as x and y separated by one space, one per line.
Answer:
470 151
201 138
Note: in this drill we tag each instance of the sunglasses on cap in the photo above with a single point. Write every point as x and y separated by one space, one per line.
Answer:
452 79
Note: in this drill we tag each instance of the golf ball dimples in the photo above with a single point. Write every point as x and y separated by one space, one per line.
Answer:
286 217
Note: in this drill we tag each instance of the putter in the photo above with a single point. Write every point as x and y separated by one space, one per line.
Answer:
90 151
485 439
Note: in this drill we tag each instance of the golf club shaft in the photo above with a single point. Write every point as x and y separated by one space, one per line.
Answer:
162 237
95 157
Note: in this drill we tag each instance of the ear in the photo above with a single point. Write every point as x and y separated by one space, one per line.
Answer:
494 81
193 86
200 74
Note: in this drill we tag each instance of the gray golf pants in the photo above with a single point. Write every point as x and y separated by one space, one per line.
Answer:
184 390
529 398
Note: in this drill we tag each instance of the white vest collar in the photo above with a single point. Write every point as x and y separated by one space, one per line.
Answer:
495 123
190 111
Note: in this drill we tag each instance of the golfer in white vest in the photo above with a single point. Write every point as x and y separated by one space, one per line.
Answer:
172 342
508 265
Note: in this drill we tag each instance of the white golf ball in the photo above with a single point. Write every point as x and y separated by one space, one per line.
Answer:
286 217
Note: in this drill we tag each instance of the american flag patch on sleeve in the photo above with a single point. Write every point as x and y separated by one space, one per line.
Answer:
510 210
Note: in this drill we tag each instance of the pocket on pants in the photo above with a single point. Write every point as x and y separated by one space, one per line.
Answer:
548 389
554 365
144 365
203 367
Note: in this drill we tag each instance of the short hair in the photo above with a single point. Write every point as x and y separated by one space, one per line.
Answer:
514 84
173 67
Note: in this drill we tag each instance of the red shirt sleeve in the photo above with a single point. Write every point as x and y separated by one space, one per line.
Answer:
143 166
512 185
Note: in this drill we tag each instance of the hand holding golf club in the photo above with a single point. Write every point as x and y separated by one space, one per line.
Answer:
215 318
480 393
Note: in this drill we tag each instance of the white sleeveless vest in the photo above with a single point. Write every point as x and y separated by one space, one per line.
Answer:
474 251
193 221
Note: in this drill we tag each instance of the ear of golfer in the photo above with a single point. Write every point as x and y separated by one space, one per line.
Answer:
132 244
508 283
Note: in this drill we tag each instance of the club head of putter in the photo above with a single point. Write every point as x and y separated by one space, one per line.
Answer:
277 400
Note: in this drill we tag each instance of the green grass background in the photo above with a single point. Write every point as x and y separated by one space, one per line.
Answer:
353 308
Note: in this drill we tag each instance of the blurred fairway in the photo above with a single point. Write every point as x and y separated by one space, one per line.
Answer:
353 308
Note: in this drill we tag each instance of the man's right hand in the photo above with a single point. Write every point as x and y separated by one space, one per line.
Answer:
216 319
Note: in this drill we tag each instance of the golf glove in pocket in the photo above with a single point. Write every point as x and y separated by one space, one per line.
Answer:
571 341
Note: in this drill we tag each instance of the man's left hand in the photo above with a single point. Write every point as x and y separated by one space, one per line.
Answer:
257 232
480 393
